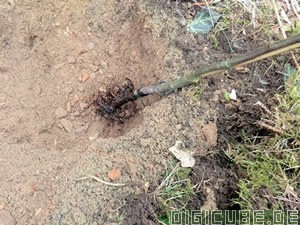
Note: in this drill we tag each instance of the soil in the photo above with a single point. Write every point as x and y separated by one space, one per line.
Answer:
56 55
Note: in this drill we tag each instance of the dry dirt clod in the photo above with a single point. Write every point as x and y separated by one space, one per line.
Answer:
60 113
6 218
210 132
67 125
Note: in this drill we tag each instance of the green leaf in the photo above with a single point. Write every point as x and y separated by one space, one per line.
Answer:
295 28
227 96
164 219
204 21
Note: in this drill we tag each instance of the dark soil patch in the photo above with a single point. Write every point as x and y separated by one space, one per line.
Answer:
209 172
140 210
114 103
218 175
255 92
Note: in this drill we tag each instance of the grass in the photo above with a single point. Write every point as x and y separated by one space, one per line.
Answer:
174 193
271 165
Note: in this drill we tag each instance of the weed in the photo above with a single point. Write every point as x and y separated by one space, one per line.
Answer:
214 41
175 192
196 92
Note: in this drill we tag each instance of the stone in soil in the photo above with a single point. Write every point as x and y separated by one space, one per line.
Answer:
69 107
60 113
76 98
145 142
114 174
67 125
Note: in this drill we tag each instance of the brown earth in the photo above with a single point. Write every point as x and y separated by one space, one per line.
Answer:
54 56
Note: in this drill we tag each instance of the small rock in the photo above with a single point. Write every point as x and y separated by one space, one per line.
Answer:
28 188
91 45
84 77
82 129
60 113
76 98
2 206
93 67
68 90
93 75
101 71
114 174
145 142
83 105
93 131
102 89
233 95
178 127
71 60
6 218
186 158
67 125
81 89
215 98
210 132
76 113
104 66
69 107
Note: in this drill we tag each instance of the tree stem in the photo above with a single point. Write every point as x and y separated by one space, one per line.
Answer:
205 71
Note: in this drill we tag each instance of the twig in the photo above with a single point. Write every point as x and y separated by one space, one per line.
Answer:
269 127
264 107
101 181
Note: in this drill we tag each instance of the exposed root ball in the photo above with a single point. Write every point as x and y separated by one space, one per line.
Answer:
107 102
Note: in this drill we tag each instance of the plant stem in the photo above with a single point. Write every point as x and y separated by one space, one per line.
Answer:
205 71
194 77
